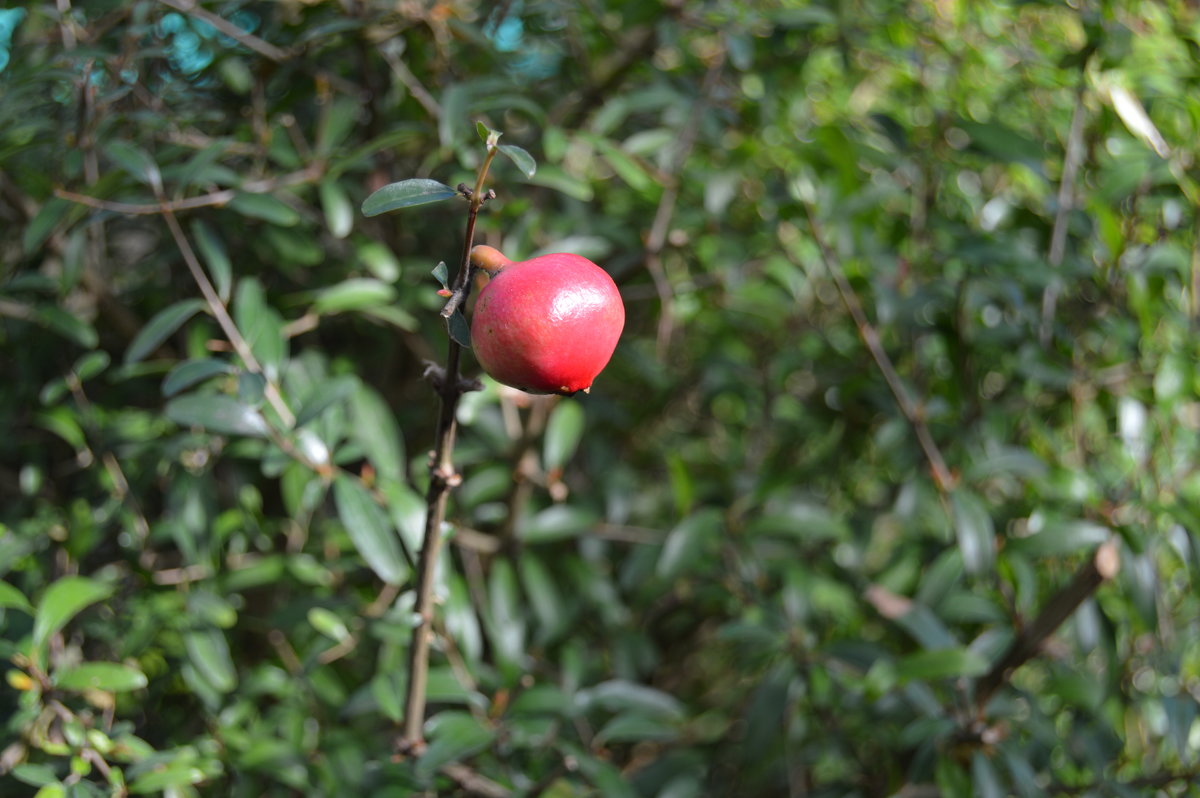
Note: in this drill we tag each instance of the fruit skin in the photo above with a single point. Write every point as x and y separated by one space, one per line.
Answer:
545 325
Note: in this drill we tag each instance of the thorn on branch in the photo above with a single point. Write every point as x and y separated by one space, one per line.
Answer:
436 375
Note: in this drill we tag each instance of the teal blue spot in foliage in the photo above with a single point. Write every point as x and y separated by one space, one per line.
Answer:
10 18
509 34
171 23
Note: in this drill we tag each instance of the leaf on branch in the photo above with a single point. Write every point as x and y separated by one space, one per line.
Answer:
190 372
442 274
217 258
217 413
161 327
62 601
459 330
406 194
265 207
110 676
370 530
521 158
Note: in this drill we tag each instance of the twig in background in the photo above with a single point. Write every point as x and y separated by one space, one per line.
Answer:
870 337
659 229
1100 567
242 37
1066 200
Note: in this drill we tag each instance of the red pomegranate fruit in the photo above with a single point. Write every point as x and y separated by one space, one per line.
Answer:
545 325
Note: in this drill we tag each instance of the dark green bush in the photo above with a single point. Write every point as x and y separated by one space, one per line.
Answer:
908 367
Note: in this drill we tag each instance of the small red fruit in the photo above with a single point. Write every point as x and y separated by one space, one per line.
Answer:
545 325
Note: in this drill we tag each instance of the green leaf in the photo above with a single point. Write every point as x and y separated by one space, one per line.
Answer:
557 522
406 194
91 364
261 325
339 213
442 274
212 249
167 777
62 601
357 293
522 159
379 261
189 372
111 676
373 426
621 696
208 651
217 413
68 325
505 620
688 542
636 728
552 177
1061 537
35 775
369 530
940 663
328 623
134 160
160 327
266 207
544 597
563 432
453 736
483 130
975 530
459 329
984 778
11 598
327 394
43 223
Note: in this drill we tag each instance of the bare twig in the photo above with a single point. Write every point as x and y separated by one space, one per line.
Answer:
309 174
410 81
217 308
524 462
870 337
442 477
475 783
1153 781
659 229
245 38
1066 199
1100 567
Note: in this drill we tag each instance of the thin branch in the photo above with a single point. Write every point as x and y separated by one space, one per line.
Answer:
410 81
442 477
224 320
1153 781
214 199
525 466
1066 200
1100 567
475 783
659 229
245 38
870 337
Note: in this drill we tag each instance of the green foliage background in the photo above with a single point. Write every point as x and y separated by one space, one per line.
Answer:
729 570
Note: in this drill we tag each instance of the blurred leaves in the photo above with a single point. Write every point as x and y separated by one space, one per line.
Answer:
725 571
